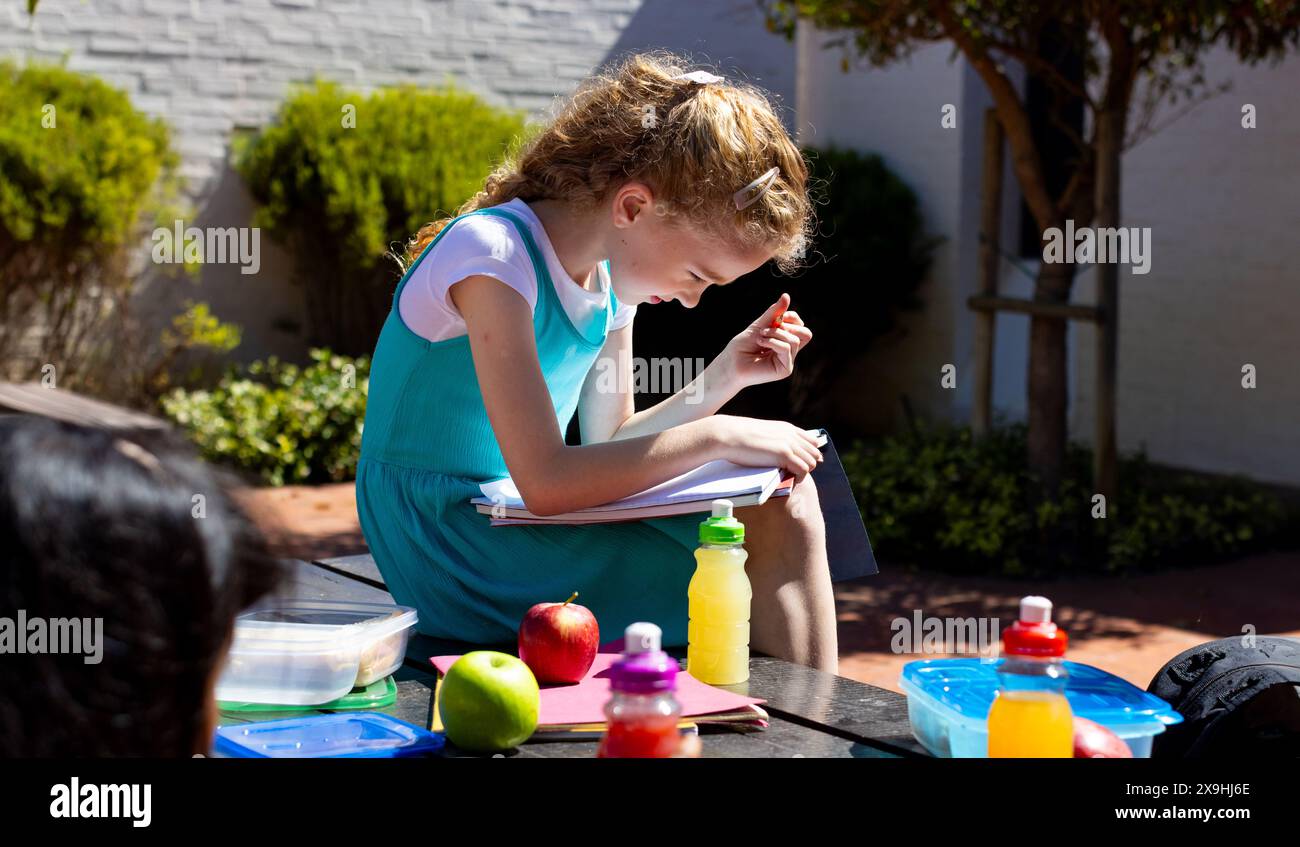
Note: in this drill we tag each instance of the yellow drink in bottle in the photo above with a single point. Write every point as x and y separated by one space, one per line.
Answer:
1030 717
717 650
1031 724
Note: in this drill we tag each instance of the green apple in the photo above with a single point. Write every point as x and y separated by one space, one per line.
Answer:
488 701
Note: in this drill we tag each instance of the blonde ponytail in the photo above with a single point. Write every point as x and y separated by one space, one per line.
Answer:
695 144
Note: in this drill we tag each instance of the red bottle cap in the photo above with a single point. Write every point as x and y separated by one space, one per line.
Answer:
1035 634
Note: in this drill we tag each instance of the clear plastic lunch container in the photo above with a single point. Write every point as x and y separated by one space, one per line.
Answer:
308 652
948 702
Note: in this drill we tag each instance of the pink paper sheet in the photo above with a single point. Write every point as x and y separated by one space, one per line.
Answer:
584 702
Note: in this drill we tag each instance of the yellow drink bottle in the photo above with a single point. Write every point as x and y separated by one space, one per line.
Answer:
717 649
1030 717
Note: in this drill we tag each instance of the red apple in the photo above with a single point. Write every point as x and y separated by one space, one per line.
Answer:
558 641
1094 741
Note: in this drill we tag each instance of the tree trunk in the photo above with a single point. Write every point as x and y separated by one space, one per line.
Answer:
1048 385
1110 141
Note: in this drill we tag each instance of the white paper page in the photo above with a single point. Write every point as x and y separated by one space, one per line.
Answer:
603 518
718 478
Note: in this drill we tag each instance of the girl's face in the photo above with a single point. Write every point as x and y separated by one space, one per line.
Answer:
655 258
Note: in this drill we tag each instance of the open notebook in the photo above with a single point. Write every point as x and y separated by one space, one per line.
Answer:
693 491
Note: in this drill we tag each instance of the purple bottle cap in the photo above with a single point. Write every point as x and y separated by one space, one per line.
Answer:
644 668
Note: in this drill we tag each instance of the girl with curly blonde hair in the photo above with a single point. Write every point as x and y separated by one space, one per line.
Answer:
652 183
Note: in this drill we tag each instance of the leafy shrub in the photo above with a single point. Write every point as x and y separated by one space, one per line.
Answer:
82 173
195 330
938 498
340 176
867 264
864 267
285 423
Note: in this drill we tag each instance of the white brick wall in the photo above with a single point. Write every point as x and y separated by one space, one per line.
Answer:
210 66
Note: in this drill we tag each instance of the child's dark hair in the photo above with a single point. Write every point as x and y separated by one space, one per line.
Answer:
134 530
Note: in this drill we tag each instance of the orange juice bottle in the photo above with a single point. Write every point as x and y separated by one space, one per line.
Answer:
642 712
1030 717
717 649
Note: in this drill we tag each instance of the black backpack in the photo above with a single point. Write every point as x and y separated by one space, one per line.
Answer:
1237 699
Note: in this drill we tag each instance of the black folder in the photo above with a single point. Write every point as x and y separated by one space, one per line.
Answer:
847 546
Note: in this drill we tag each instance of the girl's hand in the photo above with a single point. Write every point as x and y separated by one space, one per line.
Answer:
759 443
762 354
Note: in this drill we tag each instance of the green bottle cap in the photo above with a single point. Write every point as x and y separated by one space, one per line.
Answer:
722 527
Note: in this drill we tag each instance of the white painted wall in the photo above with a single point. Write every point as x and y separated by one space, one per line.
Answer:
896 112
1221 202
1223 291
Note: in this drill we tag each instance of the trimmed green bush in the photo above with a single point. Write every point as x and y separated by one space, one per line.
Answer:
82 176
341 177
865 266
936 498
284 423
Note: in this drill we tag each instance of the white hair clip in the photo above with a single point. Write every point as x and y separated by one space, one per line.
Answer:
762 184
701 77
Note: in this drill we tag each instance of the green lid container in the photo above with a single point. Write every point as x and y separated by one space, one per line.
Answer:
376 695
722 527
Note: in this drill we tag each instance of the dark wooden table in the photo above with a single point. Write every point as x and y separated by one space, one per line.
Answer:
812 713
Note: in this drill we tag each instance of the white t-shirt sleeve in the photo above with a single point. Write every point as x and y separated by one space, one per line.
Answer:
480 245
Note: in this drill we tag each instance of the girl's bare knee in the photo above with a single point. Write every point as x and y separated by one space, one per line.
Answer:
803 509
800 504
805 492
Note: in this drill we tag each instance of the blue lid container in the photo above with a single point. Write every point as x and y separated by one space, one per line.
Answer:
356 735
948 702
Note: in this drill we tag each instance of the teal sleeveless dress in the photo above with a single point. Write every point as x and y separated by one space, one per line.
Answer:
428 444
